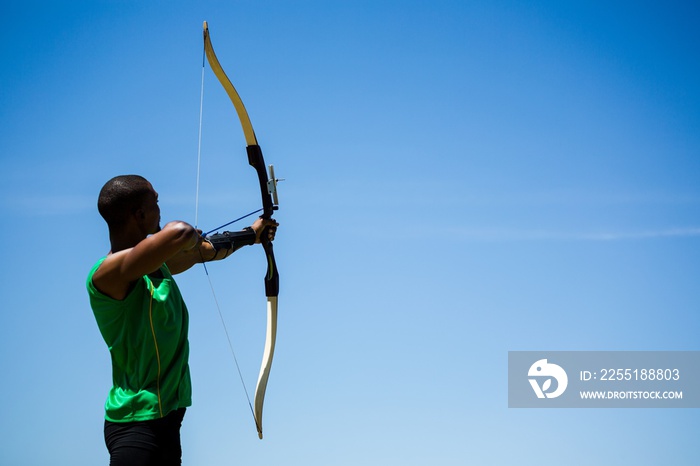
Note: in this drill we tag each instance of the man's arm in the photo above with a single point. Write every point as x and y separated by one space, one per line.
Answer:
207 252
121 269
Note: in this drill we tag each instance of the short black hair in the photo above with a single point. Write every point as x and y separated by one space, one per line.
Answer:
120 197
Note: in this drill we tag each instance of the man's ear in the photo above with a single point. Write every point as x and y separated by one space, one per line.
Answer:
139 214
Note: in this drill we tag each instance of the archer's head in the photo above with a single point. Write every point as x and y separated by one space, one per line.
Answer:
129 203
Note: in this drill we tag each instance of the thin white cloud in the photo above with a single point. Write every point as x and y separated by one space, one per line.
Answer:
648 234
498 234
60 204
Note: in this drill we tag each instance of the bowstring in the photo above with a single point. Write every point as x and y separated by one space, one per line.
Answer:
232 221
228 338
199 147
196 221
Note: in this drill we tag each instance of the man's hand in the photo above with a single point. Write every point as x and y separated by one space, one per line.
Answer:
259 227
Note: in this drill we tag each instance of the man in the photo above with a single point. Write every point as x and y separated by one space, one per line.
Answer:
144 320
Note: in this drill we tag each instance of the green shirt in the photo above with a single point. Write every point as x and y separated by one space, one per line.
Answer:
146 334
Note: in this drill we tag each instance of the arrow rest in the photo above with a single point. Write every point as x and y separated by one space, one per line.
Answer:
272 186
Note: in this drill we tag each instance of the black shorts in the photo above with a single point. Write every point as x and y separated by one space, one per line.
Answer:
146 443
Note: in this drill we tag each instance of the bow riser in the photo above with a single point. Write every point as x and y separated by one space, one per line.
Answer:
257 161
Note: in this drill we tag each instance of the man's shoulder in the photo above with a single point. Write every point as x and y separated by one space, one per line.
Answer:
94 268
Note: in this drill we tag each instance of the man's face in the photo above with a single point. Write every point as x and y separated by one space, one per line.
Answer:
151 212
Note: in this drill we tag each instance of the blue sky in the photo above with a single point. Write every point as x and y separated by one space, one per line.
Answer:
463 179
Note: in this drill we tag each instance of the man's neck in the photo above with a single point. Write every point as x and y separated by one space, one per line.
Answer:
126 240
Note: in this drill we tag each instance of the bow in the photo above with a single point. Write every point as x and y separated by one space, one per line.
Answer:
268 192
